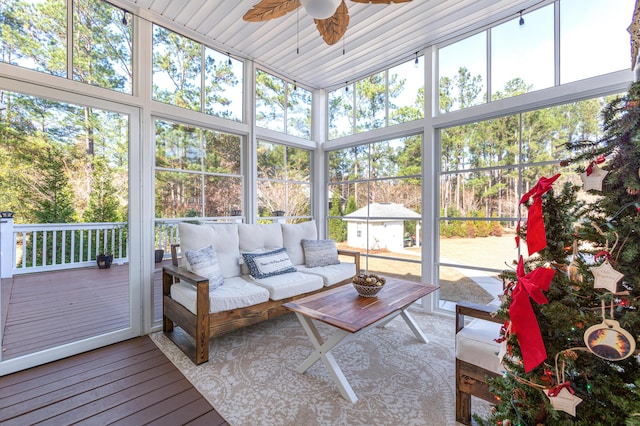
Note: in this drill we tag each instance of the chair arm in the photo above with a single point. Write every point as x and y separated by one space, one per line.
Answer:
172 274
475 310
352 253
174 254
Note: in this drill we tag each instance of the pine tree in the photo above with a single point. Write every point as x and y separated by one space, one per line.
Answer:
54 196
337 227
581 236
103 201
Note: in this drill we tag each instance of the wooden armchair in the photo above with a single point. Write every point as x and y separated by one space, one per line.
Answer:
476 355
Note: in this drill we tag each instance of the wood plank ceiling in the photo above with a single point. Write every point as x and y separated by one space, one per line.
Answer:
378 35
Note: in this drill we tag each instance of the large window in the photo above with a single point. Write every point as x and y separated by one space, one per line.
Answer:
178 65
282 106
34 36
375 204
386 98
198 172
486 166
592 41
284 185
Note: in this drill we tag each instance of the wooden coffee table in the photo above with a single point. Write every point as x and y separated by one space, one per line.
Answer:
351 315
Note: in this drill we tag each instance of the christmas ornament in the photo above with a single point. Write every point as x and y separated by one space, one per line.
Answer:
523 320
592 178
562 398
536 236
606 277
608 340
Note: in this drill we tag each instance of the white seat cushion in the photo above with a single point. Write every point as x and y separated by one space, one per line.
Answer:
236 292
331 274
289 284
476 344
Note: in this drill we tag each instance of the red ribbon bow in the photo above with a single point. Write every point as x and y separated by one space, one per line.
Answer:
536 238
598 160
556 391
605 254
523 320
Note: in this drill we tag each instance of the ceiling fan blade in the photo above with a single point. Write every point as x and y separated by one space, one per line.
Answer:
380 1
332 29
270 9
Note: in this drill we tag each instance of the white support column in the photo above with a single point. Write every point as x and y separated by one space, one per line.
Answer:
7 255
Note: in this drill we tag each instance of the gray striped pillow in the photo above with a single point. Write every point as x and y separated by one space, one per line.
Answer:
204 262
320 253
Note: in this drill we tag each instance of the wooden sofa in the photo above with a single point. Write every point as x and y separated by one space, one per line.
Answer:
476 355
204 324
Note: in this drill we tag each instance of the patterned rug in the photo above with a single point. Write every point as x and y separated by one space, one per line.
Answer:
250 378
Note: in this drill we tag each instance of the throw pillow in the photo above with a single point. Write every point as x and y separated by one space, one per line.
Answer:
204 262
320 253
269 263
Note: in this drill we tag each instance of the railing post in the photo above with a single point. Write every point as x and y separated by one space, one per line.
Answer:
7 252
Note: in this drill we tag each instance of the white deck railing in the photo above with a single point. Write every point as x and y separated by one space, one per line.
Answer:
46 247
39 247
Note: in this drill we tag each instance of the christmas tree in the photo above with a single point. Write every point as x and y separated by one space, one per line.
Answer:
571 308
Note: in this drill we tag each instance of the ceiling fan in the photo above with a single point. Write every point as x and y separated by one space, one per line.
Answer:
331 16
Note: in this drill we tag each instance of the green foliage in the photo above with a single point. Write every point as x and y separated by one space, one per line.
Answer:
337 226
103 202
54 197
608 388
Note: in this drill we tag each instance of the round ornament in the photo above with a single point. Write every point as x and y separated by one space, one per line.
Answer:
609 341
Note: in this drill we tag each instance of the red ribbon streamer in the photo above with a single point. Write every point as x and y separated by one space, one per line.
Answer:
523 320
556 391
536 238
598 160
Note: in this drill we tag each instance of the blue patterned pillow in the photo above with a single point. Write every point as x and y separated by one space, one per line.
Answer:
320 253
204 262
268 263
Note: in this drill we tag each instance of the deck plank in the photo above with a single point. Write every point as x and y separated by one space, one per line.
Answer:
82 303
131 382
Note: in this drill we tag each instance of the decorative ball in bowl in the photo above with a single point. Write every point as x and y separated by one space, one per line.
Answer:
368 285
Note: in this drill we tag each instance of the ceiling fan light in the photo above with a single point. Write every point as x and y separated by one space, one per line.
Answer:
320 9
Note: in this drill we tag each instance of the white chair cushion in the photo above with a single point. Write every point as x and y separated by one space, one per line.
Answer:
260 236
293 234
331 274
476 344
222 237
235 293
290 284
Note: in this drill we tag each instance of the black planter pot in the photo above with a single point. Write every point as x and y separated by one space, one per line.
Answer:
104 261
159 255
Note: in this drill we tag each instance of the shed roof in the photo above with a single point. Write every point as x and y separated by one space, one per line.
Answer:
380 211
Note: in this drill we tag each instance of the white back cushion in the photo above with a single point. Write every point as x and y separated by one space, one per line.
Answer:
259 236
222 237
293 234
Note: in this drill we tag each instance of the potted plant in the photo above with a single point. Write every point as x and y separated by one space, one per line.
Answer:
104 260
159 255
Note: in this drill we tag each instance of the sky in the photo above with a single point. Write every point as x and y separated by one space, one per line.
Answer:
593 41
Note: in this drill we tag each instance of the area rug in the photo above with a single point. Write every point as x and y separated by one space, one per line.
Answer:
250 378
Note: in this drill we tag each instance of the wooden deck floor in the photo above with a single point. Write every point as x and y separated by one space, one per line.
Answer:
48 309
129 383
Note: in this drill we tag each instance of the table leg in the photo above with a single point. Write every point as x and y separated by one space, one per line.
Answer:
322 352
414 326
